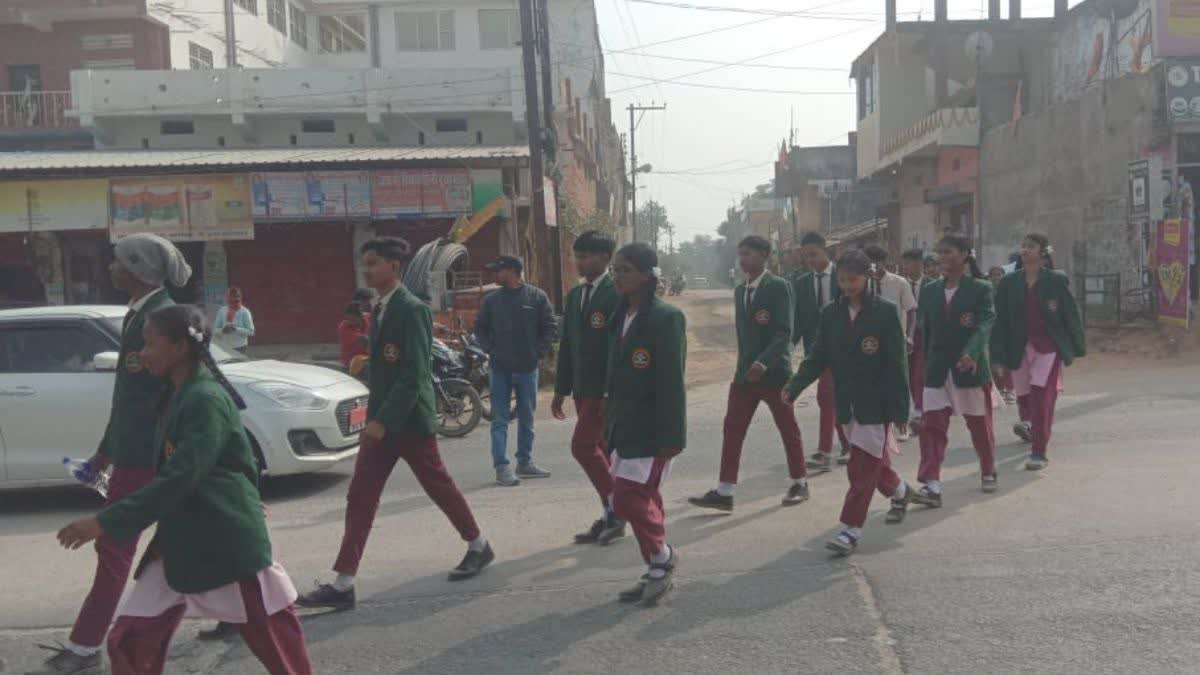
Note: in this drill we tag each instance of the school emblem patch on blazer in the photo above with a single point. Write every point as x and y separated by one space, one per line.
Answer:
762 317
870 345
1052 305
967 320
598 320
641 359
391 352
133 362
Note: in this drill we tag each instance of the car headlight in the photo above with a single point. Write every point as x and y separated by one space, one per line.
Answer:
290 397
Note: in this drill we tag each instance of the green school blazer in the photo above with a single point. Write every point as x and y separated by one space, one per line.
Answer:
211 528
1058 308
765 331
869 362
399 373
807 314
646 409
965 329
129 438
583 350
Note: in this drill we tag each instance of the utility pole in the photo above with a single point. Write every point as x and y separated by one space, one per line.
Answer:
230 36
633 165
537 196
552 137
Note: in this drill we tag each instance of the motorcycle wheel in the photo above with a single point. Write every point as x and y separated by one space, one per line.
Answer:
459 411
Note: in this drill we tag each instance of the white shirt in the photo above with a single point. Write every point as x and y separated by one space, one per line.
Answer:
823 286
137 305
897 290
594 283
628 322
752 286
383 301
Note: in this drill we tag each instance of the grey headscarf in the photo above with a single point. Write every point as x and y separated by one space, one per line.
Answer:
153 260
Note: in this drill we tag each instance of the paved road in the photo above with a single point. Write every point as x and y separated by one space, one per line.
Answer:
1086 568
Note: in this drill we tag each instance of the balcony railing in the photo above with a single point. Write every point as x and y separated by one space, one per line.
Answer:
947 126
35 110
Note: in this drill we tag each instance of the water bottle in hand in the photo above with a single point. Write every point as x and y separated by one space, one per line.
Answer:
83 471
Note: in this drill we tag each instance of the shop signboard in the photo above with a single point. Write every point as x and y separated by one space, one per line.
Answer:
420 193
311 195
1183 91
213 207
53 205
1171 264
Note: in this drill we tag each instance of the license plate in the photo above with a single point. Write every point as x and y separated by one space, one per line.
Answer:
358 419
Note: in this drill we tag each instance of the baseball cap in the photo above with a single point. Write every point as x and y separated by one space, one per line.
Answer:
505 262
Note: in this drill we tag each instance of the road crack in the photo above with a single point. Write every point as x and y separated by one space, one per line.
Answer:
885 644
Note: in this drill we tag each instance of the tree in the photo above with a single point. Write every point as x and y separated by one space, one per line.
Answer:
652 221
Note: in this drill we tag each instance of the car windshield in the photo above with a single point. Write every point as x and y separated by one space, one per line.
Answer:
114 323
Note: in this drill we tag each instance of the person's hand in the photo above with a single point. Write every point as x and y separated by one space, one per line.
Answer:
556 407
98 462
80 532
669 453
229 328
788 397
756 372
966 364
374 432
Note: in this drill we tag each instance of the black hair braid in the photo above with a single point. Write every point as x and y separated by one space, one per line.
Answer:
183 322
207 359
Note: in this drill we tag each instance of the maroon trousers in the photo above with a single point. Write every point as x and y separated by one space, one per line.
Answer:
371 471
743 402
588 447
641 506
114 559
827 403
867 474
138 645
935 431
1038 409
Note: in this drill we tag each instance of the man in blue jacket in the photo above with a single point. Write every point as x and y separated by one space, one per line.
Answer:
516 326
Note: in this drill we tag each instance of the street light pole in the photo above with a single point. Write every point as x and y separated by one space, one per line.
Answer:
633 165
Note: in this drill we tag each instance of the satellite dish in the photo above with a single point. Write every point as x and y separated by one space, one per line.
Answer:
979 44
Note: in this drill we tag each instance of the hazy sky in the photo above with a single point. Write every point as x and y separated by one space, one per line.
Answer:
725 142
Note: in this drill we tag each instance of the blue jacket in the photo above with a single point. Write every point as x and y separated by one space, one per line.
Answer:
516 327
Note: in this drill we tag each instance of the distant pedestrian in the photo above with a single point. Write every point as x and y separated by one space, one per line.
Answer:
211 553
861 341
913 266
933 268
583 374
646 414
1000 375
142 263
401 420
516 327
763 317
365 298
234 325
1037 333
353 334
896 290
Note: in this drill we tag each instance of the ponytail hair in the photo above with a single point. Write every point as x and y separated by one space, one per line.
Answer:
963 244
184 322
1043 242
858 263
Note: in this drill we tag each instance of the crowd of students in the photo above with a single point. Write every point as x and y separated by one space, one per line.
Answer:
887 353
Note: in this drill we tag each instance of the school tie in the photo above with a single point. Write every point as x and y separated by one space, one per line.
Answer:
750 296
587 298
820 289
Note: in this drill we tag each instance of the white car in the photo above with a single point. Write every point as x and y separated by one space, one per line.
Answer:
57 367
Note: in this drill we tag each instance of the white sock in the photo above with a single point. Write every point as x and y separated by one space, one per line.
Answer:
935 486
609 501
80 650
726 489
901 491
802 482
660 558
344 582
477 544
855 532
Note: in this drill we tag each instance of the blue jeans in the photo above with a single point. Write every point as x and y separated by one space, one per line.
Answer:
503 384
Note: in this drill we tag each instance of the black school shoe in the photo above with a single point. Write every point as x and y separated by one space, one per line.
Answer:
713 500
604 531
657 588
899 510
843 545
796 494
66 662
925 497
820 462
990 483
634 594
472 564
328 597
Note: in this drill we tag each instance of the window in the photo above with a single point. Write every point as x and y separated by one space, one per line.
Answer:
248 5
299 29
317 126
451 124
105 42
51 348
277 15
424 31
342 33
177 127
498 29
199 57
109 64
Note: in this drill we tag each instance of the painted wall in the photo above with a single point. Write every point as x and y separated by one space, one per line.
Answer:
59 51
1091 49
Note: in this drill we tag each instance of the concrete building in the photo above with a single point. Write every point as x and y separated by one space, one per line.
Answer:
824 190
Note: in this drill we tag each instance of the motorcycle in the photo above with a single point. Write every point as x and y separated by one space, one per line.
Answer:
473 365
458 407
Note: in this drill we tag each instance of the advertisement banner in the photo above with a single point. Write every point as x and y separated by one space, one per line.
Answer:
1171 262
1177 27
417 193
53 205
213 207
311 195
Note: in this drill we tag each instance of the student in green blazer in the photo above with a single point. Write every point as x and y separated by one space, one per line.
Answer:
812 292
763 316
583 373
956 314
1037 333
401 419
912 263
861 341
646 414
211 535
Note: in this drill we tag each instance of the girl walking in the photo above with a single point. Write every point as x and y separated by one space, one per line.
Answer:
956 314
211 554
1037 332
646 414
860 339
